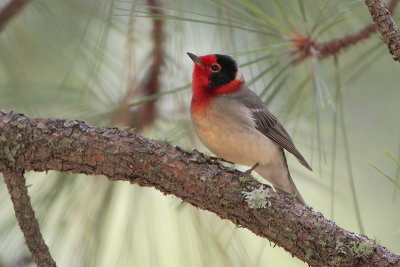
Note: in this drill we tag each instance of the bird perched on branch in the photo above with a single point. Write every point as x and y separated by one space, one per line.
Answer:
233 122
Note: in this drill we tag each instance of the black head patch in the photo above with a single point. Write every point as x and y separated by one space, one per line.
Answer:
227 73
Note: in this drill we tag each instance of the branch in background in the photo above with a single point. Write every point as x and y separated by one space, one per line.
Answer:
305 44
386 26
145 114
77 147
14 178
22 261
10 10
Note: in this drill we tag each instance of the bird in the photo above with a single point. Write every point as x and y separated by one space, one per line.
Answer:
234 124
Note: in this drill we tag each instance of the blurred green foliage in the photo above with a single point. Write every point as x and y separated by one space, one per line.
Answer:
76 59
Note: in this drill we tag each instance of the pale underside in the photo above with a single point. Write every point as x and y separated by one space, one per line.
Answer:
228 130
239 128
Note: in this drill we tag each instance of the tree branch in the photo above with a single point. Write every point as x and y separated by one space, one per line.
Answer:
14 178
334 46
10 10
145 114
386 26
304 43
77 147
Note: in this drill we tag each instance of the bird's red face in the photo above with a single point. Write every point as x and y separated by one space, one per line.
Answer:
214 75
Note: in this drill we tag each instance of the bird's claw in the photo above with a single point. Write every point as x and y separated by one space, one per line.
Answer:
249 171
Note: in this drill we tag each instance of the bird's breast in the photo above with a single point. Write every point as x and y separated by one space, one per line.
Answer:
228 130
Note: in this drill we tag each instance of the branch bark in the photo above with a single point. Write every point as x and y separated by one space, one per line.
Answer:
77 147
14 178
10 10
386 26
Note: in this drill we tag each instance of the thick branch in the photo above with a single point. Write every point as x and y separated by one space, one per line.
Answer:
386 26
14 178
10 10
74 146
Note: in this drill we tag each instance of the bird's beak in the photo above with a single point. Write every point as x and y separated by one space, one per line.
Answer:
195 59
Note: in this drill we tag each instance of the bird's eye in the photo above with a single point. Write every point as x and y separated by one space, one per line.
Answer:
215 68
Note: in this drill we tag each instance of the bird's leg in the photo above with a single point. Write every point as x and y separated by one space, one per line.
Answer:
249 171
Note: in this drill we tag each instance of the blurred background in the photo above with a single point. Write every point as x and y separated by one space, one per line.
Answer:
124 63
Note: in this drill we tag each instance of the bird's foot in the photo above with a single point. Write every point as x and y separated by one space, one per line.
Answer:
249 171
222 160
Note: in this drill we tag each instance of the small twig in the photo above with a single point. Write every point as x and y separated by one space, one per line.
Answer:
10 10
145 114
386 26
332 47
15 180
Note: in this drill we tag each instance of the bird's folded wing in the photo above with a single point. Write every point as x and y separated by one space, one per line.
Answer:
268 124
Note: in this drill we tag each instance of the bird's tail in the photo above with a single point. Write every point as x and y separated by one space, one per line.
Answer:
282 182
293 191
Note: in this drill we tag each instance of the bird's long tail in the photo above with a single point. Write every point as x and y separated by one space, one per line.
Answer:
282 181
293 191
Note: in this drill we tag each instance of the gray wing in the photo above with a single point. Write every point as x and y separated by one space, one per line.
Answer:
269 125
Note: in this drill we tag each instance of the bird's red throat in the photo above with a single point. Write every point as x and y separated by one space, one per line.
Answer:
202 92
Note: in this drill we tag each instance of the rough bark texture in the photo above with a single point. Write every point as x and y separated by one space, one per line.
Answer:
10 10
77 147
14 178
386 26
